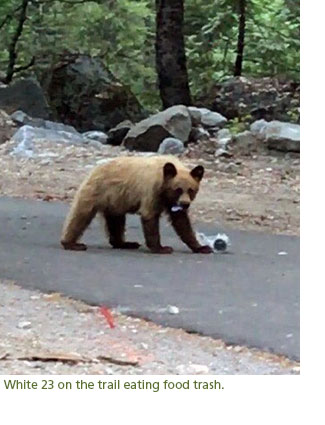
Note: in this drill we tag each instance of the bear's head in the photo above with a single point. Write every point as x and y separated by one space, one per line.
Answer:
180 186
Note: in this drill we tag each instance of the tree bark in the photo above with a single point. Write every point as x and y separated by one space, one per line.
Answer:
241 38
170 53
13 45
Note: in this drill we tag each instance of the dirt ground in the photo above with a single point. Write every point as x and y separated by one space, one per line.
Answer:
256 192
49 334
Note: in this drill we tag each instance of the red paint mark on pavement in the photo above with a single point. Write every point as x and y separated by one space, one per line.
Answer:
108 316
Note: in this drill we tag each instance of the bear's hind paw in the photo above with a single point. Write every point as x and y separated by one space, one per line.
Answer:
163 250
74 246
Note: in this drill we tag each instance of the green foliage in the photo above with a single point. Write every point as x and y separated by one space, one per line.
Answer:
271 40
122 32
238 125
294 114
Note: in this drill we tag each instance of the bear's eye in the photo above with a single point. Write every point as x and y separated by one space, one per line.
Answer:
191 193
179 191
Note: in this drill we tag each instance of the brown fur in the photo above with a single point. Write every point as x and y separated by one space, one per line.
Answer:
128 185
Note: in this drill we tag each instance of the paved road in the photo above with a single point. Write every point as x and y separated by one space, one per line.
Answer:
249 296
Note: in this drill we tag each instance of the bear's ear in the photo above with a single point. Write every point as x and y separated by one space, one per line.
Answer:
197 173
169 170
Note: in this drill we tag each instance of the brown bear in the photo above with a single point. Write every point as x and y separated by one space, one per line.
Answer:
147 186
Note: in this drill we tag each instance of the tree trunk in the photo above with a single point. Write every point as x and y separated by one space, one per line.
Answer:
13 44
170 53
241 38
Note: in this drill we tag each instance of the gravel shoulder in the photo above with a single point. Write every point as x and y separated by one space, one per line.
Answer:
48 334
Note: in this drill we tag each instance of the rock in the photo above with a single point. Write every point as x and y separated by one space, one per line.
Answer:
277 135
125 124
24 325
198 369
172 309
245 142
213 119
213 131
171 146
46 162
195 115
222 153
7 127
231 168
282 136
149 133
258 126
267 98
25 95
85 94
116 135
27 135
192 369
98 136
24 140
95 144
223 138
207 118
22 118
198 134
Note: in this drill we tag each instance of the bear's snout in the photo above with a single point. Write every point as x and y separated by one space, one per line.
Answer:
185 205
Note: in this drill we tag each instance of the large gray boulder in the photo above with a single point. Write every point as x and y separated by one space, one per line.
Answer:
83 93
206 118
27 135
25 95
281 136
117 134
21 118
148 134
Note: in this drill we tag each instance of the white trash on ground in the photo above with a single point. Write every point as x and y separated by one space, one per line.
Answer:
172 309
219 243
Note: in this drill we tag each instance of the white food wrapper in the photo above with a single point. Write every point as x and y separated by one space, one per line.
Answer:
176 208
219 243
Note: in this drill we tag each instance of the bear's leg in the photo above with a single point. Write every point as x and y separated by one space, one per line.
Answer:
79 218
182 225
151 233
115 228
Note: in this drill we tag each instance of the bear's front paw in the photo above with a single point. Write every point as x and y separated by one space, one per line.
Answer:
205 249
163 250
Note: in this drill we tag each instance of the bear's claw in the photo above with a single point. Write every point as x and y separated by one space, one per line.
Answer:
205 249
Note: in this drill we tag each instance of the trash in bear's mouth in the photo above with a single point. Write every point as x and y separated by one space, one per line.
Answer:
176 208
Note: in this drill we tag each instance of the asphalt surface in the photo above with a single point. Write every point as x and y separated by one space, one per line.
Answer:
249 296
